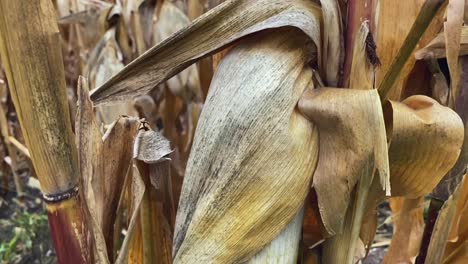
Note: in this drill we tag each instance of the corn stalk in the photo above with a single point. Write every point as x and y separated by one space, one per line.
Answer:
31 53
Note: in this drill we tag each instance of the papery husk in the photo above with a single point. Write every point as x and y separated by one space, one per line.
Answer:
217 28
408 222
230 164
441 232
104 62
425 142
333 42
342 190
186 84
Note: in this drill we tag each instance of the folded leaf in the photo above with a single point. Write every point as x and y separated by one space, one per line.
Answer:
219 27
352 140
425 142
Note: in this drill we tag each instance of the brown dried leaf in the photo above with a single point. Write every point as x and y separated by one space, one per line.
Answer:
408 222
357 137
217 28
103 164
425 142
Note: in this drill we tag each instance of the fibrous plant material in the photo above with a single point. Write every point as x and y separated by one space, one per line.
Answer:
31 54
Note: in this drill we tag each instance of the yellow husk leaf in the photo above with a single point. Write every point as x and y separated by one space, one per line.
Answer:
253 155
425 142
408 224
361 130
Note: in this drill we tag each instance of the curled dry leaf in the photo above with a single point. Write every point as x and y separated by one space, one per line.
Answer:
253 155
425 142
217 28
408 225
104 163
351 128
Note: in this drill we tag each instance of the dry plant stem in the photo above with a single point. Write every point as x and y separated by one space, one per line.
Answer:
340 249
428 11
31 53
433 212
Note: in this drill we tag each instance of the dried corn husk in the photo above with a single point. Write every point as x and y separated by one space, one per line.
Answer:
290 47
417 167
342 187
436 48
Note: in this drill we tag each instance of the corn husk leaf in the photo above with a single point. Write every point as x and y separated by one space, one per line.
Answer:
417 168
214 30
226 172
342 190
332 182
398 38
408 222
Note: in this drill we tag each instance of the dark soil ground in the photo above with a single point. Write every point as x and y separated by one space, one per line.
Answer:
24 230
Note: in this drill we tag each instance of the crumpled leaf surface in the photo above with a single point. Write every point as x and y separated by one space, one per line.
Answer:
217 28
351 129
